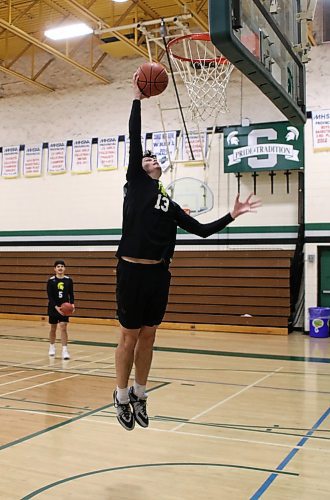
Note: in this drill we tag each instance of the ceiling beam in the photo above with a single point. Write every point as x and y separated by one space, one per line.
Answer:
145 8
201 5
198 19
94 18
47 48
25 78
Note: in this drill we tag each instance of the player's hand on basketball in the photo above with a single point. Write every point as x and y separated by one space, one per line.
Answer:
58 309
137 92
243 207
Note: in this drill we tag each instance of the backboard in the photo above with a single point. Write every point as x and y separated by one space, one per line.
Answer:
193 195
263 40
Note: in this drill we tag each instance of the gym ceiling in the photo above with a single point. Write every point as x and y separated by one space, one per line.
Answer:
30 62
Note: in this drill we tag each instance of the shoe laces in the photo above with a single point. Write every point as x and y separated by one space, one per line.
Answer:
124 408
142 406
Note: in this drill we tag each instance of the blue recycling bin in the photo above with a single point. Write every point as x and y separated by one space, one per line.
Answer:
319 321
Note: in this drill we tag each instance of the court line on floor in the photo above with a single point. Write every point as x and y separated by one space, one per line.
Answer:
16 365
35 412
229 398
27 364
98 372
197 381
44 383
140 466
183 433
46 403
212 436
40 385
61 424
279 357
56 367
44 367
289 457
207 352
25 378
13 373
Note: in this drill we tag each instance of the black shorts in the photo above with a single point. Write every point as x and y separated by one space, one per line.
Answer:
142 293
55 318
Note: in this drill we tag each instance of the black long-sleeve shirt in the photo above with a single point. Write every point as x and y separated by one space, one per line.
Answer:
150 217
59 290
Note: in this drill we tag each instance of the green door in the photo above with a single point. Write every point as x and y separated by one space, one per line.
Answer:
324 278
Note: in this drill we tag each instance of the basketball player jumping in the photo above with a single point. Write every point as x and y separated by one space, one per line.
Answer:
150 221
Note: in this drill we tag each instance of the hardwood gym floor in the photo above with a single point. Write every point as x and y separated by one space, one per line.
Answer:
232 417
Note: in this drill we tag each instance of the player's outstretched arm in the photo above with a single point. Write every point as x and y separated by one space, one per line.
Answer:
134 126
243 207
192 225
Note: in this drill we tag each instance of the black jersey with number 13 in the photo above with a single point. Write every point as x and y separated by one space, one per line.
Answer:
150 217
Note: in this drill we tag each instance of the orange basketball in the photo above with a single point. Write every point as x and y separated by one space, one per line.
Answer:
67 308
152 79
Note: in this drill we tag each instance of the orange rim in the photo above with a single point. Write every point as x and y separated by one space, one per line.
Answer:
205 37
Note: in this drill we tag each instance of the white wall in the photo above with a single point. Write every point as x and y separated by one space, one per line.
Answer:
317 169
94 201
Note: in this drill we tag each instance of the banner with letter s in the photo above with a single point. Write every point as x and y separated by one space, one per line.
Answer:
263 146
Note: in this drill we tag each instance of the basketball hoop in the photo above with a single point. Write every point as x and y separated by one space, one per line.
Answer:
204 71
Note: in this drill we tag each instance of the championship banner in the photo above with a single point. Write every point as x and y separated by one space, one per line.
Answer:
164 146
107 153
56 158
81 156
198 142
126 154
321 130
263 146
32 162
10 161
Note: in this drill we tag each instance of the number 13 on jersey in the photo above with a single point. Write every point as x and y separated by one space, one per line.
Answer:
162 203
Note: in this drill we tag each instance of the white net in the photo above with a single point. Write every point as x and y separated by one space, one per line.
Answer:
204 71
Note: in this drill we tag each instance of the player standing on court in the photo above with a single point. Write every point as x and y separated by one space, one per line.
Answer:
150 220
59 290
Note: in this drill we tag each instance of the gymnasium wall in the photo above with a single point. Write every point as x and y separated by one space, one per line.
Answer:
82 212
247 291
94 201
317 175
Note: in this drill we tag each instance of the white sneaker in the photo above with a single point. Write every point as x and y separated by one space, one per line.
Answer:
65 353
52 350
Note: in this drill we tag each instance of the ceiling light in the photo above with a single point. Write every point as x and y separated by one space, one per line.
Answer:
68 31
119 1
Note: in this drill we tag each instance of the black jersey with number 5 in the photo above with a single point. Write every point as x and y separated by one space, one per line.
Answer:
59 290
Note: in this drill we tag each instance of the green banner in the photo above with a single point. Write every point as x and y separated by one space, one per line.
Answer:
263 146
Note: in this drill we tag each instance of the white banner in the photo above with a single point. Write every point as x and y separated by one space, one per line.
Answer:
107 153
198 142
10 159
56 158
32 161
285 150
126 155
164 146
321 130
81 156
